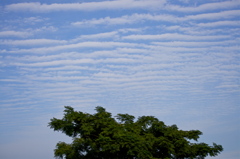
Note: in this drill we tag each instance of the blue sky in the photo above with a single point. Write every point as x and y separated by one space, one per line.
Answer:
178 60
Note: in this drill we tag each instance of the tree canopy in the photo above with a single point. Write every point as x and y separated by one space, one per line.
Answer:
101 136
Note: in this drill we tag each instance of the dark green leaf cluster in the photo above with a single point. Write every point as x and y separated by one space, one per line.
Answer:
100 136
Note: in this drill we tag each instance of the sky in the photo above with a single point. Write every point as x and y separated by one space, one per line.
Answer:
177 60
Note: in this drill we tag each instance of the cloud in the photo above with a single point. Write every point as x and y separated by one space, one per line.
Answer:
65 62
26 32
45 29
127 19
205 7
55 63
11 33
127 30
31 42
219 24
212 16
196 44
175 36
118 4
34 20
91 44
139 18
28 21
87 6
10 80
194 29
113 34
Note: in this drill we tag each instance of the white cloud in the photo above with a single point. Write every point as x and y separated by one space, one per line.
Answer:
139 18
127 30
112 35
28 21
194 29
27 32
45 29
92 44
67 67
118 4
11 33
196 44
10 80
55 63
76 62
34 20
212 16
174 36
31 42
87 6
34 58
135 18
205 7
133 50
219 24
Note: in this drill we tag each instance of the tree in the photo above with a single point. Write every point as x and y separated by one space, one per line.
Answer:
100 136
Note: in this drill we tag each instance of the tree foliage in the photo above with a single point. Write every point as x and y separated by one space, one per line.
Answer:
100 136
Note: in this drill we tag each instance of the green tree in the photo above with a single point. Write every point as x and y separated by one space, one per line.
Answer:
100 136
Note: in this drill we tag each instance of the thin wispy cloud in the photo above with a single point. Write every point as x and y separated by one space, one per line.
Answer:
30 42
86 6
140 18
118 4
87 44
135 18
14 34
220 24
205 7
213 16
175 36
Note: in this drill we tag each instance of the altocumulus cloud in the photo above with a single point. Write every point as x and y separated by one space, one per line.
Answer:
176 60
